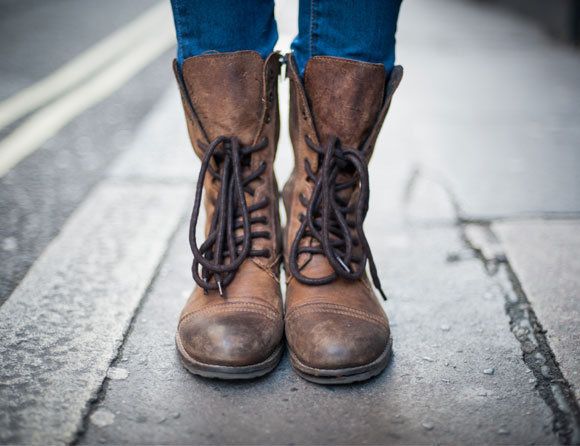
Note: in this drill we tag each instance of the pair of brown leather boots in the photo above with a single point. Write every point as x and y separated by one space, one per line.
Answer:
233 325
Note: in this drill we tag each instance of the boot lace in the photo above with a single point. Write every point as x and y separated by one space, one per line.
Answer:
335 226
223 252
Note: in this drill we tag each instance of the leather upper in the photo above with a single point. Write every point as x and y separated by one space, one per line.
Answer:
235 95
340 324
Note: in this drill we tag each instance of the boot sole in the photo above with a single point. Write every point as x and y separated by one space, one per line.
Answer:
343 376
228 372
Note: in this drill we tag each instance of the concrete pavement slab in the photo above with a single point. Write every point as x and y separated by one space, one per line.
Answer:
493 105
456 376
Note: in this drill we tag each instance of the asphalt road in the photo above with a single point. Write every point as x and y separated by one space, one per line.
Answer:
38 36
37 195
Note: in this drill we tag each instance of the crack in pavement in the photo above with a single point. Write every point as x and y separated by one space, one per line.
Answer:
540 359
537 354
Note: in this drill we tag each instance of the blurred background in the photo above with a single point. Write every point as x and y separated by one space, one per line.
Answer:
474 221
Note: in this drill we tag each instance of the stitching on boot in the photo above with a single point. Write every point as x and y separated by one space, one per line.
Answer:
233 306
318 307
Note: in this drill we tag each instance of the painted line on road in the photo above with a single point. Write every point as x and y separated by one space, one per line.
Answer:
44 124
62 80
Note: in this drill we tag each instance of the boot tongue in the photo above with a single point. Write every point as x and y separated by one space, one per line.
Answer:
226 93
345 97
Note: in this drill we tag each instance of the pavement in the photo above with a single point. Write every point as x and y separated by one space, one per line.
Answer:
474 225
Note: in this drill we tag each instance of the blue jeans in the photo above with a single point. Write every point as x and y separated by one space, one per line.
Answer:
362 30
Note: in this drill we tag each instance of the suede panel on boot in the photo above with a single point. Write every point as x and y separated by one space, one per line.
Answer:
336 331
234 95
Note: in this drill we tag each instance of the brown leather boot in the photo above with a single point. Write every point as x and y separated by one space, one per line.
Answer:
336 329
232 325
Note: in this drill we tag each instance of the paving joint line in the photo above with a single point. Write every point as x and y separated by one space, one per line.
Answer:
524 216
419 172
553 388
144 180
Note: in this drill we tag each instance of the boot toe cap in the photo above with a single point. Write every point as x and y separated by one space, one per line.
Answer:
230 336
336 340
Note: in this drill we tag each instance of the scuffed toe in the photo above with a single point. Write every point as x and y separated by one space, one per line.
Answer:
335 341
229 337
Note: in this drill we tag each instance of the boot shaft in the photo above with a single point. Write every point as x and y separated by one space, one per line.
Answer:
339 98
340 107
230 94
